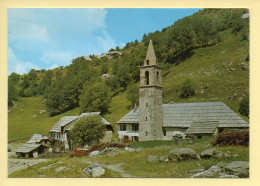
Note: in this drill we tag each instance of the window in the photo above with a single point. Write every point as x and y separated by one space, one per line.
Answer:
156 61
164 132
145 118
146 104
157 76
135 127
146 133
147 62
147 77
123 127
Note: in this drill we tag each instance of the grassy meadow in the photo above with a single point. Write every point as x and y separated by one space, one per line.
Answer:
135 163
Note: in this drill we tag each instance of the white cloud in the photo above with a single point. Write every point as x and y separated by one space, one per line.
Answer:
53 66
18 66
57 57
106 42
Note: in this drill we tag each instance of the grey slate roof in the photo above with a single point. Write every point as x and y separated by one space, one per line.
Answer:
62 122
184 114
36 138
204 127
88 58
94 113
27 147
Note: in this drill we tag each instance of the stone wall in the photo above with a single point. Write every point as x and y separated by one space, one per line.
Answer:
150 113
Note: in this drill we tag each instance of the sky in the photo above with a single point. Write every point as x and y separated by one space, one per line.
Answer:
46 38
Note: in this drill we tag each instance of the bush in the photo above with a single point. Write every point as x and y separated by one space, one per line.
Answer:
87 129
244 106
187 89
233 138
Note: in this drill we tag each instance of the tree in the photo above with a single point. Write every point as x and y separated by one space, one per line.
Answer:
187 89
132 94
95 98
12 93
104 68
244 106
87 129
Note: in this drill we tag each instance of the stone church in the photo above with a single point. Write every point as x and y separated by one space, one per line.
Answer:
153 120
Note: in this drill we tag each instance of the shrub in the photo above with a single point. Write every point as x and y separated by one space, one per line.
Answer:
87 129
244 106
187 89
233 138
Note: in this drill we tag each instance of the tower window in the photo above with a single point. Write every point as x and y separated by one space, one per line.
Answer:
147 62
157 76
146 104
145 118
146 133
147 77
164 132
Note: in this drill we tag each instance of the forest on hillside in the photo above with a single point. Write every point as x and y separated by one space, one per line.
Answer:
80 85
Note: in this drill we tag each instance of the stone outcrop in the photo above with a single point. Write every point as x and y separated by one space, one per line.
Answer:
238 168
178 154
206 154
94 171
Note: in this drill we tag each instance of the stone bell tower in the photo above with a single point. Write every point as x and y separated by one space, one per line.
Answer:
150 98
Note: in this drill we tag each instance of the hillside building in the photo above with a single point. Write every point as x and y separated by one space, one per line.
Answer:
156 121
60 130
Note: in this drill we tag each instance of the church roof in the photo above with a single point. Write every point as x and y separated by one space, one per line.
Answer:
202 127
184 114
150 55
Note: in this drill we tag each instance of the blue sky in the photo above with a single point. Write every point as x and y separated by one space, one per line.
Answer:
46 38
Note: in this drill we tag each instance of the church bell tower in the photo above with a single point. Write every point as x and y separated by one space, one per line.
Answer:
150 98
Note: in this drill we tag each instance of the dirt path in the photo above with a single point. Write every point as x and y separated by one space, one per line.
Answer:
20 164
114 167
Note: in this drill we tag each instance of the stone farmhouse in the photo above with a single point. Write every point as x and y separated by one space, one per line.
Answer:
38 144
60 130
153 120
109 55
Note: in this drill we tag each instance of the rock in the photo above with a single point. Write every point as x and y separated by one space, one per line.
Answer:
42 111
152 159
231 69
177 154
219 155
224 175
34 115
193 171
208 153
41 176
110 151
94 154
60 168
43 168
105 76
238 168
235 155
129 149
163 159
244 68
94 171
212 172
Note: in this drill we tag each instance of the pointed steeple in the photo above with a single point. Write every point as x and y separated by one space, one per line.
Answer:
150 56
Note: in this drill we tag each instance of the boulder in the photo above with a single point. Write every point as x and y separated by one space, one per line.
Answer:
208 153
94 154
163 159
238 168
60 168
212 172
177 154
94 171
224 175
110 151
129 149
152 159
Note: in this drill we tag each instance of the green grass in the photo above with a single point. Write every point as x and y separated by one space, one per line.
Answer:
25 119
135 163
